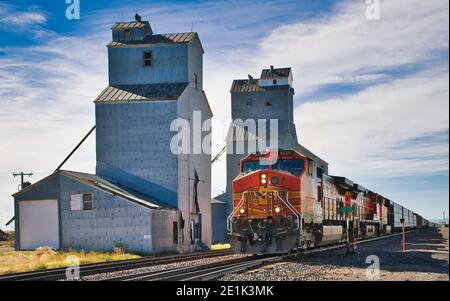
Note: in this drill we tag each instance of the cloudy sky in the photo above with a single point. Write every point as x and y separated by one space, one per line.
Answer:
371 94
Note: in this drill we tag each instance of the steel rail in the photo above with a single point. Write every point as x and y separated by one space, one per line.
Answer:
343 245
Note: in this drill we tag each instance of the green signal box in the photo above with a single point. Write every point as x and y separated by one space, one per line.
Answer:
344 209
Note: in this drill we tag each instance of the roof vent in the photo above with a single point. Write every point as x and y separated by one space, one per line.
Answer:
137 18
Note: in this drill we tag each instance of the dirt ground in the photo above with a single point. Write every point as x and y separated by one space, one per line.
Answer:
426 258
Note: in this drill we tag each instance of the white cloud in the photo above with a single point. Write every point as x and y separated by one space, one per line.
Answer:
365 133
14 20
24 19
347 46
46 95
385 130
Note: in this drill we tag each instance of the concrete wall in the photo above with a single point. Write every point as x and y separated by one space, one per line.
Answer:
253 105
133 147
133 140
169 64
162 230
194 100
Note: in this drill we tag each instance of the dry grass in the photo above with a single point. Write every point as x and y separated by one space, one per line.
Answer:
44 258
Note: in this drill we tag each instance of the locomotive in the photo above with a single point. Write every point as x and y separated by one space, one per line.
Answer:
283 201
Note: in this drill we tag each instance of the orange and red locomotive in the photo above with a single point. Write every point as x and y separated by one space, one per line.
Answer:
283 200
267 204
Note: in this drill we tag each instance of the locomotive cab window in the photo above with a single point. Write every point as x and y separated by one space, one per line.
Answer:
147 58
295 166
249 166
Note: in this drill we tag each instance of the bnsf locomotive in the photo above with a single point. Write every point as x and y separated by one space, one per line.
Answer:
282 201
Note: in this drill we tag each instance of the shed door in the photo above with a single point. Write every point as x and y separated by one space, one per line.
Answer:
38 224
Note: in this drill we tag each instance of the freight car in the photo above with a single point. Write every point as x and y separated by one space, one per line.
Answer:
283 201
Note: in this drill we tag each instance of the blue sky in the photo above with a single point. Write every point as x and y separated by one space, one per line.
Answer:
371 95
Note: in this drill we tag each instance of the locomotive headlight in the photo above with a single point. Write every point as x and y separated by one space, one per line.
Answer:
277 209
242 210
263 178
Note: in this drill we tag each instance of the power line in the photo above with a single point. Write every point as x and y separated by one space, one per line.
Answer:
75 149
22 175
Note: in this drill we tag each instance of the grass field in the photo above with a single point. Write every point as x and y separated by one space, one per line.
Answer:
41 259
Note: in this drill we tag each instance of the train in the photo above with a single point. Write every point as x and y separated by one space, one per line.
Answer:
284 201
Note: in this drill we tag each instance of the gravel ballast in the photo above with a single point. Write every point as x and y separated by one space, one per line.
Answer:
426 258
162 267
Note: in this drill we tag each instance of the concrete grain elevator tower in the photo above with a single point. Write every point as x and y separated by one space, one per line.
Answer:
155 79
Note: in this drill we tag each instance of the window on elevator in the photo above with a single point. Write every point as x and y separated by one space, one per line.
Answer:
175 233
147 58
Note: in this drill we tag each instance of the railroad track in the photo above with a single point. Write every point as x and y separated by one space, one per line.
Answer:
213 271
203 272
340 246
98 268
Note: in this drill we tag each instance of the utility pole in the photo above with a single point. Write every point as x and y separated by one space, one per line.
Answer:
22 175
402 220
444 216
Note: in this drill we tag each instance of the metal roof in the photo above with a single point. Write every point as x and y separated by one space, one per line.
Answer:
245 85
275 73
105 185
129 25
149 92
358 187
343 181
216 201
168 38
114 189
